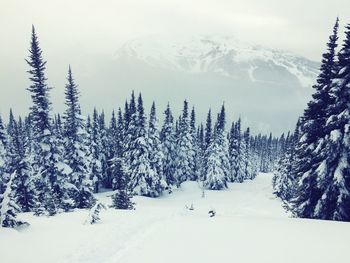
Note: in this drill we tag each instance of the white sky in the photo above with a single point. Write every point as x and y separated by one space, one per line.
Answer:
102 25
70 30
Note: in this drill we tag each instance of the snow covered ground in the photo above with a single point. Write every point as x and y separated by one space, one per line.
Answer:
250 226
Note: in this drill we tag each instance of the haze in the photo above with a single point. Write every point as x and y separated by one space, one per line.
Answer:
87 33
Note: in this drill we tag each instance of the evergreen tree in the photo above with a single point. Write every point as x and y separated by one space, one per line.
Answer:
208 131
167 137
3 140
8 208
122 196
196 147
185 153
94 214
120 134
103 150
284 180
112 143
236 150
96 152
334 170
47 161
156 155
322 165
18 162
76 150
144 180
246 156
3 135
217 165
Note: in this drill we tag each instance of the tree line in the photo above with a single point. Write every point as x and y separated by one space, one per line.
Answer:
53 164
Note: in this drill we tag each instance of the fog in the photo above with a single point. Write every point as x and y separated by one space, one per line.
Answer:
86 34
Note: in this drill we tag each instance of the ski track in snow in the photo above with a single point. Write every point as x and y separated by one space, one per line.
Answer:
250 226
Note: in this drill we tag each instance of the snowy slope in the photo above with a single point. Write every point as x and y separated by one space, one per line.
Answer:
224 55
250 226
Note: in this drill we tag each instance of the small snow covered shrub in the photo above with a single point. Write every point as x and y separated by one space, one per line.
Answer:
94 214
121 200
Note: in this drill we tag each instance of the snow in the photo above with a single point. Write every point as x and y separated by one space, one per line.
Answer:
205 53
335 135
250 225
66 169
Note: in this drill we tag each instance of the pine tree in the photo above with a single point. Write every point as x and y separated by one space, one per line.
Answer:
18 162
167 137
334 170
8 208
322 163
156 155
76 150
96 152
143 178
121 199
103 150
111 149
236 153
3 135
217 165
208 131
3 154
39 89
47 161
246 156
284 180
185 152
94 214
196 147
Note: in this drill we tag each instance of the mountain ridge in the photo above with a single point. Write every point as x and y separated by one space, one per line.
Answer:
225 55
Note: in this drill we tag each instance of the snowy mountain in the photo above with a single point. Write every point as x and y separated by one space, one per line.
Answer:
268 88
220 54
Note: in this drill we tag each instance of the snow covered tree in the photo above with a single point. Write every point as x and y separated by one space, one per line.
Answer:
247 156
334 170
3 135
3 140
120 134
111 149
284 180
96 152
48 163
121 199
217 164
104 149
19 161
167 137
79 186
144 179
184 148
156 155
196 147
8 208
208 131
322 152
94 214
235 153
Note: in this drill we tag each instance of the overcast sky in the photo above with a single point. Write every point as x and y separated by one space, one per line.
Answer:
71 29
101 25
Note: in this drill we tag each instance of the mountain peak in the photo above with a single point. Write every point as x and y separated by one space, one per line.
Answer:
220 54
